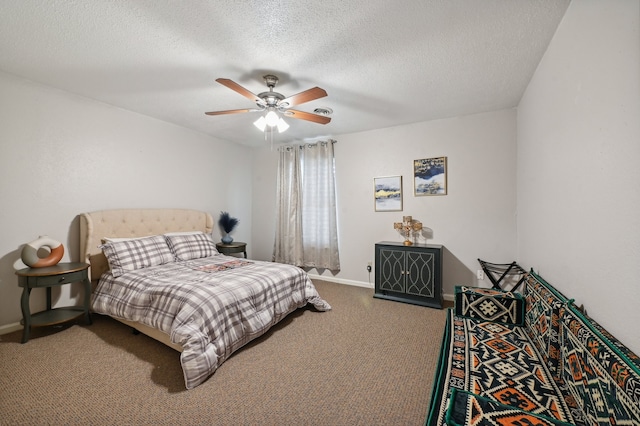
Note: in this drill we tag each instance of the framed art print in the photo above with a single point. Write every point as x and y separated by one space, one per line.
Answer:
430 176
388 193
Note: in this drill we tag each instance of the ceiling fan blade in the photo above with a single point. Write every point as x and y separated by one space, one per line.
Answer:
320 119
237 88
302 97
230 111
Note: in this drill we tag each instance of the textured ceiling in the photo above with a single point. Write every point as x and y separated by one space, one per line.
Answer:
383 63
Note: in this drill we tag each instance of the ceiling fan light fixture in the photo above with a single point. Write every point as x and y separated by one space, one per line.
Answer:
271 103
282 126
271 118
260 123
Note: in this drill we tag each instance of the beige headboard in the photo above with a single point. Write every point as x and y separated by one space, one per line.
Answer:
95 226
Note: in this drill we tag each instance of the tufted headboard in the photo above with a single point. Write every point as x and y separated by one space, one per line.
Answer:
121 223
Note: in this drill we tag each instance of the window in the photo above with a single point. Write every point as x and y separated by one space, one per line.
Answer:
306 228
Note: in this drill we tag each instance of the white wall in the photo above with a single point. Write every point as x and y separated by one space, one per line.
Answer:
476 218
577 159
578 164
61 155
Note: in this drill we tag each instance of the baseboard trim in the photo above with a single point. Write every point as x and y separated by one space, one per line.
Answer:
445 296
341 281
10 328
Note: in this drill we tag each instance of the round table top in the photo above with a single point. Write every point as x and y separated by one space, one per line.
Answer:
60 268
234 244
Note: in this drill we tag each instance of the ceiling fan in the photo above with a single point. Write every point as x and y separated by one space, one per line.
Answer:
274 102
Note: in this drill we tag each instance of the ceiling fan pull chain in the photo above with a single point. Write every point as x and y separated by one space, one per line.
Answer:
271 133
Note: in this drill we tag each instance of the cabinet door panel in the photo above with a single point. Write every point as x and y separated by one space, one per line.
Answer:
420 274
391 270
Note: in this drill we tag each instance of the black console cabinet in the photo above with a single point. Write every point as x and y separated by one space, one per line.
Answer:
411 274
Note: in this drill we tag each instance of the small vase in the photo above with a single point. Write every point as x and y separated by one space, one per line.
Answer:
227 239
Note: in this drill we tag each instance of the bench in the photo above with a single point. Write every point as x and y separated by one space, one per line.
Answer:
530 358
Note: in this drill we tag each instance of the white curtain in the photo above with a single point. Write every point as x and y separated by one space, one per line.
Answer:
288 242
306 227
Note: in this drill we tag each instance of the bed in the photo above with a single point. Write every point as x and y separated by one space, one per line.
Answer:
157 270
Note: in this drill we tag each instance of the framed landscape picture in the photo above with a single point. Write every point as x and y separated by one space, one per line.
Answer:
430 176
388 193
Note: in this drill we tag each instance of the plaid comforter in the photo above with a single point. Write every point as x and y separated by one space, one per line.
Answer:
210 306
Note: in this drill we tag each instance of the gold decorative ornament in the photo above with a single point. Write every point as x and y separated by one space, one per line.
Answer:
408 228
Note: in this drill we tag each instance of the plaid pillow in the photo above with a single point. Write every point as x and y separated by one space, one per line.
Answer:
189 246
129 255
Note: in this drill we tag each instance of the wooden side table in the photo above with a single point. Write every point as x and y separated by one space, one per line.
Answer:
234 247
60 274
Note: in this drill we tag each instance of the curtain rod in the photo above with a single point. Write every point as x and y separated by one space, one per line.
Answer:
303 144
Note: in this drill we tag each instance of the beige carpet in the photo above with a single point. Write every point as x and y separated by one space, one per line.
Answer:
366 362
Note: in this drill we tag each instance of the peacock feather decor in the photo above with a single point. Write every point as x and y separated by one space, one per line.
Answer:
227 224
